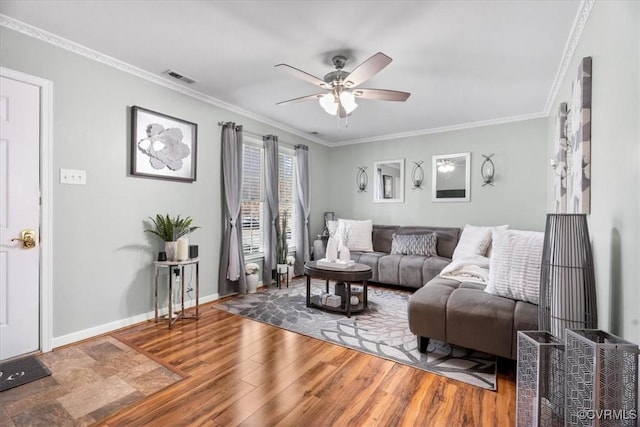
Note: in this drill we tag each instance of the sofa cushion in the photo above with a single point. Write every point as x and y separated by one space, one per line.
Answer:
414 244
389 269
382 237
355 234
447 237
369 258
474 240
432 267
410 271
514 270
480 321
427 309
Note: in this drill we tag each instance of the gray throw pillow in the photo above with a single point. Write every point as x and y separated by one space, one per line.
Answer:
414 244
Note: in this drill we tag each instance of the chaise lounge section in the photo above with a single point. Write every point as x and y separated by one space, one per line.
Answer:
464 314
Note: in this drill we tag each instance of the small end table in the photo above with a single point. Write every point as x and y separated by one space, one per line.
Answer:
180 314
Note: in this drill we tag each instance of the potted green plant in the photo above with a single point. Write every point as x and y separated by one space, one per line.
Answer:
173 231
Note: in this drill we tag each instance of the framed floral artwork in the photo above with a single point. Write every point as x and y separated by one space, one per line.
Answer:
162 146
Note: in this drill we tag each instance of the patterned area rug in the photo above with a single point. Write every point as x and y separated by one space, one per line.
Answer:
381 330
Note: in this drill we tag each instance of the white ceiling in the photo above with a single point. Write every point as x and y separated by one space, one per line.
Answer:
464 62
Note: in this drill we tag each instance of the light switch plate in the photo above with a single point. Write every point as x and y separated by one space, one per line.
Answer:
73 176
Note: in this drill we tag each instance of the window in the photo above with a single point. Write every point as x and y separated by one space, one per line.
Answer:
252 202
252 198
287 190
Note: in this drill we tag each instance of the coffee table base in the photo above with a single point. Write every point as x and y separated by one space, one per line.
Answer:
345 307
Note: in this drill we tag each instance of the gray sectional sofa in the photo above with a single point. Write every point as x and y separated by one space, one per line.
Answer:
407 270
459 313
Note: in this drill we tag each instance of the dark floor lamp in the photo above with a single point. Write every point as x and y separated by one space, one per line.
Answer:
567 281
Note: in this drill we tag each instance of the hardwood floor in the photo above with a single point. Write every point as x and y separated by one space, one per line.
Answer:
245 373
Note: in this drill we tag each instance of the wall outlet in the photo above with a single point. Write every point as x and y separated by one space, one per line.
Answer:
73 176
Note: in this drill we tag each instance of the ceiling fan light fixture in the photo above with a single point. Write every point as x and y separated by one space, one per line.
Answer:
348 101
329 104
446 166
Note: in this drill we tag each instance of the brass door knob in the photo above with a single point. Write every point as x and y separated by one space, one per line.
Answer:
27 239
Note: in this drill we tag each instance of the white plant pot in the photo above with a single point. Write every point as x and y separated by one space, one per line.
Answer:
290 270
252 283
170 248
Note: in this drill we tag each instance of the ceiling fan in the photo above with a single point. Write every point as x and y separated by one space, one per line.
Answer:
342 86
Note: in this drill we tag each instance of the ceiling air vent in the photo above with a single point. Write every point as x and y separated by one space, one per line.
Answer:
176 75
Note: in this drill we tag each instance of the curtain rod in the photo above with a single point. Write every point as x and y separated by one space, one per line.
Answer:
259 137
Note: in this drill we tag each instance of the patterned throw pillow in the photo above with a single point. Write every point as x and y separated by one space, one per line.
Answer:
414 244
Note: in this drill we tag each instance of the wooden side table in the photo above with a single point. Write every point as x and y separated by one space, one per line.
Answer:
180 314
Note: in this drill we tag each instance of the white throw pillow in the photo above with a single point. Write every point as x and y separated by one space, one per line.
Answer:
474 241
356 235
514 268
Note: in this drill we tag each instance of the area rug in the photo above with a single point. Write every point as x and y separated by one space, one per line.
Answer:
381 330
21 371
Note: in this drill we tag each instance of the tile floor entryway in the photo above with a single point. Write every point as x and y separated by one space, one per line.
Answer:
88 382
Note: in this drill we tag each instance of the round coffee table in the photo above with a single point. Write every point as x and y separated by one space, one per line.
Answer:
355 273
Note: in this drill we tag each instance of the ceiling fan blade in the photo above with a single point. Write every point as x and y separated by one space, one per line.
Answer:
381 94
367 69
301 99
303 75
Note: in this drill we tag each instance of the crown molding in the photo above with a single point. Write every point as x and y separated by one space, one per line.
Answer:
88 53
443 129
42 35
576 33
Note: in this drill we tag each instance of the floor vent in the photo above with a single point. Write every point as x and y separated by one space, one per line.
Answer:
176 75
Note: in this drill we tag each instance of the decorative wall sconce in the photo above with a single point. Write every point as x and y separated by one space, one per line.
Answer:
561 163
417 175
487 170
362 179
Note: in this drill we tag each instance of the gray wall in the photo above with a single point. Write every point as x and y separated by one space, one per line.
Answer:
611 37
517 198
102 258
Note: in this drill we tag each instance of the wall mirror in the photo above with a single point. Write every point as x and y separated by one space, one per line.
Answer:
388 181
451 177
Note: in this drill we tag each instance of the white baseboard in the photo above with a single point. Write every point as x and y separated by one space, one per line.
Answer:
118 324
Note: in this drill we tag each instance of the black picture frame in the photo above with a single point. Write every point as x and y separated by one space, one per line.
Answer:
387 187
162 146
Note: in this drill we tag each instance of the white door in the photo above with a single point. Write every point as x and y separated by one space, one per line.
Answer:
19 212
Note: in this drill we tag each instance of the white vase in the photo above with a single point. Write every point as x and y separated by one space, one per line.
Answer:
170 249
252 283
345 254
290 270
332 249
